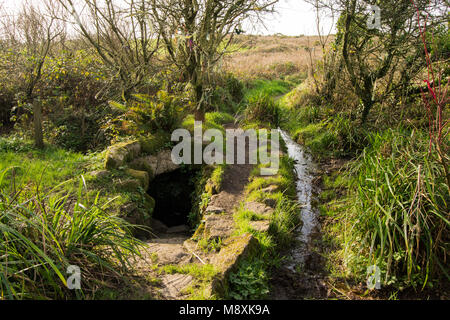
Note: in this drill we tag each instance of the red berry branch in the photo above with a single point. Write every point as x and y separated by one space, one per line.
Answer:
437 98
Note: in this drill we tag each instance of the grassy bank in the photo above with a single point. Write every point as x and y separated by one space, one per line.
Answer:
384 202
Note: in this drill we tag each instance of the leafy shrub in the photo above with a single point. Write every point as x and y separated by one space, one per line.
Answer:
159 114
65 131
72 87
235 87
7 101
146 114
222 100
15 144
250 281
227 94
211 118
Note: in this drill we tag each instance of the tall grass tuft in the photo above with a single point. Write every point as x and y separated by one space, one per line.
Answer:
262 108
42 234
401 219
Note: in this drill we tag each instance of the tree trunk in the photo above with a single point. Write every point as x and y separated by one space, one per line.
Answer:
199 115
367 94
200 108
367 105
83 122
38 134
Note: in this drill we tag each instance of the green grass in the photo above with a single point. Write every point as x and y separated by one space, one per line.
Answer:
214 120
202 272
42 234
388 208
271 88
50 166
400 220
317 139
219 118
322 133
262 109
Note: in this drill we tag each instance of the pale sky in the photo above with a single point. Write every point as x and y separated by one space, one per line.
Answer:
294 17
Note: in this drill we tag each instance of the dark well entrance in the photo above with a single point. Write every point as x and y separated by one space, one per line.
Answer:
173 196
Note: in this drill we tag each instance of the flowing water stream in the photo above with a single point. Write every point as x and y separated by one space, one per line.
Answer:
305 169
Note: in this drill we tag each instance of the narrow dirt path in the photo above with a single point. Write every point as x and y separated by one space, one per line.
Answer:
234 182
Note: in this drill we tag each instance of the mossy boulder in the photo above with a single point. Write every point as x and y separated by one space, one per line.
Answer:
128 185
121 153
147 164
165 163
234 250
149 203
142 176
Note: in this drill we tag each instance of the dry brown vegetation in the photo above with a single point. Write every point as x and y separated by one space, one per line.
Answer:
272 57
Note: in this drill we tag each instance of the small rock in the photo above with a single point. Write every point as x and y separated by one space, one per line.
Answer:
165 163
100 174
214 210
128 209
173 285
156 165
261 226
129 184
178 229
214 198
218 226
258 208
158 226
146 164
270 202
270 189
234 249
